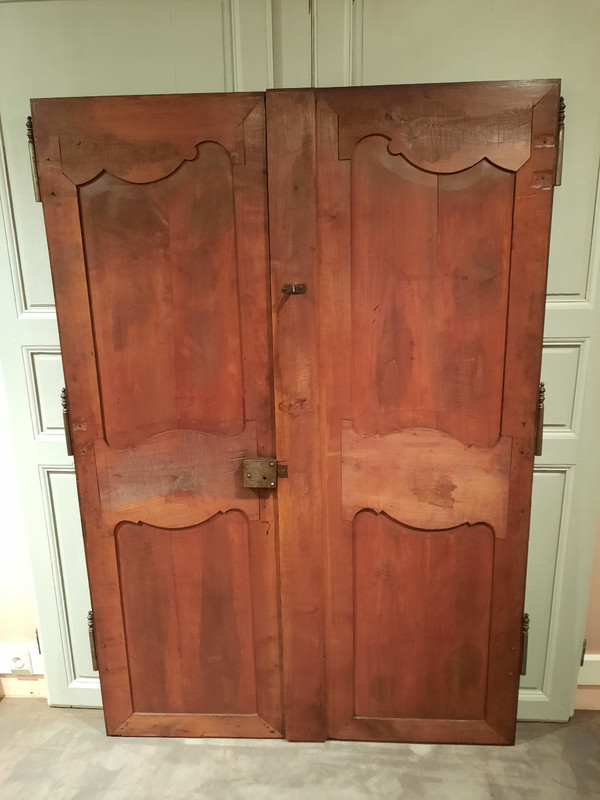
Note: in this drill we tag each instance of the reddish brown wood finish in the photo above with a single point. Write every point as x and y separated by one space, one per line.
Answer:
291 164
417 215
402 385
157 219
413 588
183 221
195 654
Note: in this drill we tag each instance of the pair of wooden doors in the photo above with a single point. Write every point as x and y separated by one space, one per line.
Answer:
349 282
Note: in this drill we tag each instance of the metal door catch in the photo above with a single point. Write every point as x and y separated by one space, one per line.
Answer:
262 473
294 288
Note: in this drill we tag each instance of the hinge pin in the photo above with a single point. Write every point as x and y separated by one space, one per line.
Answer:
525 643
583 650
33 161
66 421
539 431
560 143
92 635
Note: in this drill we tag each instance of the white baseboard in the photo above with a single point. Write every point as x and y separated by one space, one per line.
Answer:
29 686
589 674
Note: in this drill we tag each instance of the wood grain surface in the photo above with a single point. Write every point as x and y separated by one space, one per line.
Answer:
423 338
425 478
157 228
291 165
378 594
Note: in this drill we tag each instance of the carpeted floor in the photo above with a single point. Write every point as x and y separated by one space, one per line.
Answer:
63 754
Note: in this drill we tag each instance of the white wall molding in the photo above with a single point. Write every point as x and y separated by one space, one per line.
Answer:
10 231
591 289
557 346
533 696
40 404
270 44
73 633
589 674
356 46
23 308
313 10
46 473
230 67
536 698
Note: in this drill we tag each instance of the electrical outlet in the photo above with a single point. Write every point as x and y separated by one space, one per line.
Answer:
20 658
20 664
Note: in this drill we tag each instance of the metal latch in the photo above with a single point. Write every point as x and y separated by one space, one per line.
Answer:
294 288
262 473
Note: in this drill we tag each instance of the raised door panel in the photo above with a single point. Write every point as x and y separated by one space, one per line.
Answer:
404 377
430 307
156 216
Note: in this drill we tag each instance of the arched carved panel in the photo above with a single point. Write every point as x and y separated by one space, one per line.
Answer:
426 478
429 295
177 478
442 128
162 273
421 619
187 607
145 138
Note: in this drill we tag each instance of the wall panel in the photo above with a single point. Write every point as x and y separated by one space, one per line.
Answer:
65 548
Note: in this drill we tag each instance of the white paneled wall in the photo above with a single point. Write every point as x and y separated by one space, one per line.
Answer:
98 47
80 47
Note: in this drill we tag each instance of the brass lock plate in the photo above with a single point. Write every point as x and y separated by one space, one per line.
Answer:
259 473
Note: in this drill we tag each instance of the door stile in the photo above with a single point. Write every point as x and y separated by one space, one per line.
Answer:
292 224
334 300
529 264
250 193
227 530
309 553
62 220
499 544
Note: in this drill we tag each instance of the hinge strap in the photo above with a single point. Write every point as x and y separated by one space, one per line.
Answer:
33 161
525 643
560 143
66 421
92 635
539 430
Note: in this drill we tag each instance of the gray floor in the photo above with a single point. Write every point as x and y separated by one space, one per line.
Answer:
63 754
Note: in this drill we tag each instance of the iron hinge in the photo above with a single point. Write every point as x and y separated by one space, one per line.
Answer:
539 430
92 635
583 651
524 643
561 143
37 639
262 472
64 400
33 160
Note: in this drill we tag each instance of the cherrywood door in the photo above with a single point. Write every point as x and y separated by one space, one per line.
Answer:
420 222
433 223
378 593
155 209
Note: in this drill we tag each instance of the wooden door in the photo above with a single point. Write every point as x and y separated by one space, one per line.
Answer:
388 570
155 209
425 223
